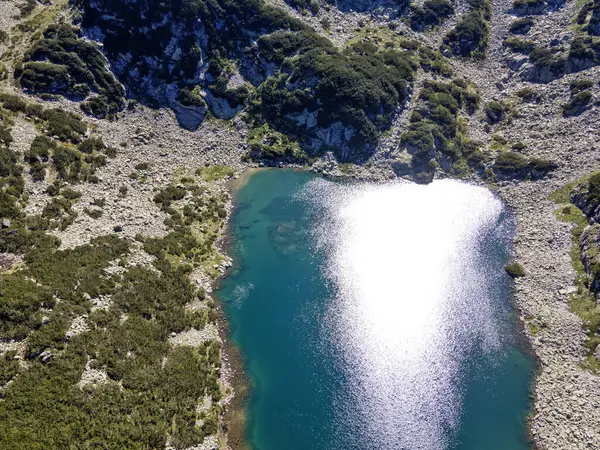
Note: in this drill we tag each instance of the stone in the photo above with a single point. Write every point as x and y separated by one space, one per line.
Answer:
118 228
189 117
5 223
46 356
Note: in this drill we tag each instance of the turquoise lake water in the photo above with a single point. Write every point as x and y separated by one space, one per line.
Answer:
375 316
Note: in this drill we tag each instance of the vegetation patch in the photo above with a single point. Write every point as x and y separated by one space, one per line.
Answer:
63 63
12 184
515 270
151 388
588 18
526 7
555 62
496 111
436 137
302 85
470 35
353 92
583 301
430 14
529 95
214 173
518 45
64 146
268 144
521 25
510 164
577 104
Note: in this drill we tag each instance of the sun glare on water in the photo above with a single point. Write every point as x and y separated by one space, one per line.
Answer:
411 299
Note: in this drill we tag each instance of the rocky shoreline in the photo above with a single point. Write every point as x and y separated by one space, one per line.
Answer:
566 403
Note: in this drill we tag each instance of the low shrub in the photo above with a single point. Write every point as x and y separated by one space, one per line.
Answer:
93 213
40 150
435 134
577 104
510 162
12 184
495 111
170 194
90 145
521 26
518 45
430 14
64 125
269 144
528 95
470 35
63 63
514 165
580 85
68 163
515 270
529 6
593 188
142 166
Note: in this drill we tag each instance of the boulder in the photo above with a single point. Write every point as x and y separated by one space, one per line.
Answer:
46 356
189 117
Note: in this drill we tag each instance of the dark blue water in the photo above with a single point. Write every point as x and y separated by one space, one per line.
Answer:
339 357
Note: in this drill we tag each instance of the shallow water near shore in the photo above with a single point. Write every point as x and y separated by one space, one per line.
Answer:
375 316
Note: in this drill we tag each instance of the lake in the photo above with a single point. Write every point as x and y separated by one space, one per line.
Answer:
376 316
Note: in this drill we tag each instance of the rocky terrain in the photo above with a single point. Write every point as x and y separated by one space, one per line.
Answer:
526 129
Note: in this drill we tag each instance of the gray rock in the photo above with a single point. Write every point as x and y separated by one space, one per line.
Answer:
5 223
46 356
515 62
189 117
220 107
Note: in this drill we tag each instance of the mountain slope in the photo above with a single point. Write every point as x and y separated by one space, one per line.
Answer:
122 121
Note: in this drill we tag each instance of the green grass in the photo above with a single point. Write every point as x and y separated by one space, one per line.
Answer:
214 173
582 302
562 196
